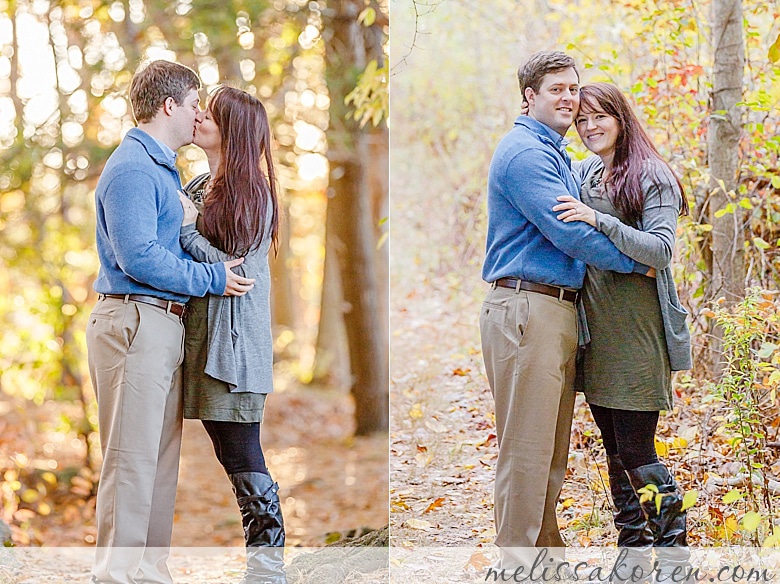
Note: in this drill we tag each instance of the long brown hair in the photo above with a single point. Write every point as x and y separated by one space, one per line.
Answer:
236 203
632 148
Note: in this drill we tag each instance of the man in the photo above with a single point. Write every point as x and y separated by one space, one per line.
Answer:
536 265
135 335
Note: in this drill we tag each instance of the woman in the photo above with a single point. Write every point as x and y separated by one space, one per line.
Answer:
233 212
636 324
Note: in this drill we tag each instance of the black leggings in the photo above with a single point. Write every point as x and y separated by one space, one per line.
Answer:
629 434
237 445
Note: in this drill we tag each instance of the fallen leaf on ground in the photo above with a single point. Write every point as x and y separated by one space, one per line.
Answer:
435 505
418 524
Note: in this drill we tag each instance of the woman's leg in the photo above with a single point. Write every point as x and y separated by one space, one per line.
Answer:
603 419
237 446
630 521
635 433
635 437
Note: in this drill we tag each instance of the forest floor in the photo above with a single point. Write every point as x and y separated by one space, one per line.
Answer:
443 444
331 486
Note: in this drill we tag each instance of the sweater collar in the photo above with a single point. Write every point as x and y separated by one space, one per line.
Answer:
159 152
547 135
542 130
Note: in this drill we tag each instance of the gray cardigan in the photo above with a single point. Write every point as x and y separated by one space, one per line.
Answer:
240 343
652 243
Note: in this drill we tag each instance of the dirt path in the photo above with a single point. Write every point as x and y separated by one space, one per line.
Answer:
330 483
442 433
442 439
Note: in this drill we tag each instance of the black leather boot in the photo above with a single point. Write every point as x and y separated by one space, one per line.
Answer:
668 525
261 515
634 535
630 521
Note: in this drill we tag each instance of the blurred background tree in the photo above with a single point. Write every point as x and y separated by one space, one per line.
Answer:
65 67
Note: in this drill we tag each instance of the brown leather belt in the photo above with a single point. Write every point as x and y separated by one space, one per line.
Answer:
554 291
176 308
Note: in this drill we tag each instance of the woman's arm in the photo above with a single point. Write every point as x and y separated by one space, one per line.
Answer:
653 245
199 247
192 241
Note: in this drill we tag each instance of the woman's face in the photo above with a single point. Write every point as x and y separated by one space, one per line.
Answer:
598 131
207 134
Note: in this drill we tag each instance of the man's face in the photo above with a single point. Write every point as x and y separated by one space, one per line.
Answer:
183 118
558 100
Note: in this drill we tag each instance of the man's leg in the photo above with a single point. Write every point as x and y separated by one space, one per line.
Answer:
158 539
550 535
528 342
134 351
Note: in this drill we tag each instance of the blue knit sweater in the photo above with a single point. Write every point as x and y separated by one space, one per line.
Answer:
525 239
138 223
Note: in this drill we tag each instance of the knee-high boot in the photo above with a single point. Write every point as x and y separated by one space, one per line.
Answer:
630 521
634 535
668 524
261 516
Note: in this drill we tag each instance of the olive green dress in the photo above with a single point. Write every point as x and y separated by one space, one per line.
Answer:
207 398
626 364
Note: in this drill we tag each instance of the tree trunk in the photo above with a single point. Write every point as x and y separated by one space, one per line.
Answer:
283 314
349 156
378 180
728 233
331 364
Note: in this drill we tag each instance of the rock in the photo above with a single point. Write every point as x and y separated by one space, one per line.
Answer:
343 560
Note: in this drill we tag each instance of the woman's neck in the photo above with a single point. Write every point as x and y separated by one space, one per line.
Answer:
213 158
606 159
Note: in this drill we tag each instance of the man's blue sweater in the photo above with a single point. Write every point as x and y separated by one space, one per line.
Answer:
525 240
138 223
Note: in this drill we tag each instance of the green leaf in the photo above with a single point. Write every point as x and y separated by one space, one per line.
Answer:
774 51
751 521
730 208
773 540
760 243
732 495
776 182
766 350
367 17
745 203
689 499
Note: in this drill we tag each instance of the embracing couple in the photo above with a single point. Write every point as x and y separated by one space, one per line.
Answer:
182 326
578 258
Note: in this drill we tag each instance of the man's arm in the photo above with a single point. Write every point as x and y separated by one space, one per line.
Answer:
131 216
534 183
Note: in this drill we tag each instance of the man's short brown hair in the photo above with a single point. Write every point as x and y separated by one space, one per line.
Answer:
540 64
154 83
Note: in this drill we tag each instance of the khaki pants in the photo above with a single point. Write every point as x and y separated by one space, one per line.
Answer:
135 352
529 343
